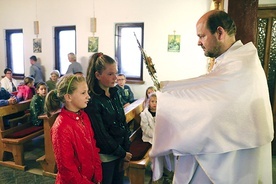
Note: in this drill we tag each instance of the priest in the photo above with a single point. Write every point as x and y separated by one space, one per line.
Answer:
220 126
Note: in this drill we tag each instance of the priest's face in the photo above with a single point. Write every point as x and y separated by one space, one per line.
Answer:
207 41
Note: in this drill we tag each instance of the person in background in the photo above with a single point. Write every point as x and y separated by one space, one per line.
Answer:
75 150
8 82
148 118
107 114
26 90
79 74
165 163
37 103
124 90
36 70
219 125
51 83
7 98
74 67
149 90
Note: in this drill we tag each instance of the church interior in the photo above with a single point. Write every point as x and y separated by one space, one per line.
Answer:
161 19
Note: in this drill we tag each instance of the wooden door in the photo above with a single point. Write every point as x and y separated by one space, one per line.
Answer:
266 44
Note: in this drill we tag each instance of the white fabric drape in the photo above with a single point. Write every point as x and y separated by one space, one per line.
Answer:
224 111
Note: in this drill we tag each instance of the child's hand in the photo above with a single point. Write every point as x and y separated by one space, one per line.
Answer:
12 100
128 156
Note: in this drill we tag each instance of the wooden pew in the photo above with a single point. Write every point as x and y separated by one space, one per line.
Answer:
47 161
136 170
14 137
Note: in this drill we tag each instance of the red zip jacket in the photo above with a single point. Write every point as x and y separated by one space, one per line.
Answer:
76 154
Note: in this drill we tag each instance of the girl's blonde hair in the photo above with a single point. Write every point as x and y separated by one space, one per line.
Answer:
97 63
145 103
150 88
28 80
66 85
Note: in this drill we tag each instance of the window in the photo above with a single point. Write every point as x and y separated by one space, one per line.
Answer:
65 42
14 51
127 52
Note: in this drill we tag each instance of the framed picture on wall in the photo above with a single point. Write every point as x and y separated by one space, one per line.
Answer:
174 43
37 45
93 43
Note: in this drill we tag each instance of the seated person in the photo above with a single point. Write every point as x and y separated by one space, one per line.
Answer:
26 91
124 90
7 98
51 83
163 166
8 82
37 103
149 91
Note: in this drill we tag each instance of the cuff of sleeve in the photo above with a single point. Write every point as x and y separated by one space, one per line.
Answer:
120 152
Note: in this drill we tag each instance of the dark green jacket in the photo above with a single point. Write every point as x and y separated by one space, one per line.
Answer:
109 122
37 109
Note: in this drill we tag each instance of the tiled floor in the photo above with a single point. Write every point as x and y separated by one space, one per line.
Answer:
33 174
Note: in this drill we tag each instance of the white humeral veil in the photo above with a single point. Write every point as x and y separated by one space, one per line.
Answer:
219 125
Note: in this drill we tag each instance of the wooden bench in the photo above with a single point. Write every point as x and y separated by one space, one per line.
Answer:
47 161
136 170
20 131
137 167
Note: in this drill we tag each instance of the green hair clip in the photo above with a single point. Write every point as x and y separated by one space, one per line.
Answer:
70 84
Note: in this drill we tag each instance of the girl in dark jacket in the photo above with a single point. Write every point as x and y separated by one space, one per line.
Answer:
107 114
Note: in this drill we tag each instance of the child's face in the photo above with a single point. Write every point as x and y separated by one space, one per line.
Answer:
149 92
54 77
121 80
42 91
79 98
31 84
108 76
152 103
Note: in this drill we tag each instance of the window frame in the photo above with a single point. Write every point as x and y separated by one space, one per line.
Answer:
8 33
118 46
57 30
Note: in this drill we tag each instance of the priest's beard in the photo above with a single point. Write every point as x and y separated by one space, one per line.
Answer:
215 51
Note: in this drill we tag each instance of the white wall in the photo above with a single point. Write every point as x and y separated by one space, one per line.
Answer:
267 2
161 18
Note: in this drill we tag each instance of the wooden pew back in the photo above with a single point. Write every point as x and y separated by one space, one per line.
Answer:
136 169
12 109
12 138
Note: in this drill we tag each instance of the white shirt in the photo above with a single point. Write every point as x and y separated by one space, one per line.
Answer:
147 125
7 84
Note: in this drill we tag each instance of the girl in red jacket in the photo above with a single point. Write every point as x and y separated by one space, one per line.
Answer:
76 154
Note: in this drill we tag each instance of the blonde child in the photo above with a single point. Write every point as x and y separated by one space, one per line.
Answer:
148 119
162 166
149 90
26 90
37 103
75 150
